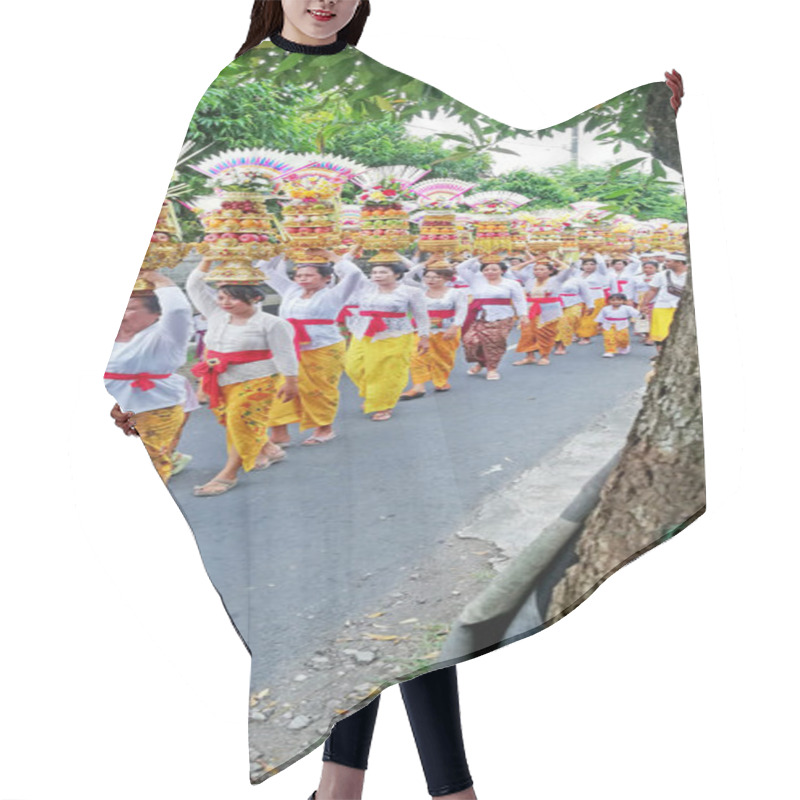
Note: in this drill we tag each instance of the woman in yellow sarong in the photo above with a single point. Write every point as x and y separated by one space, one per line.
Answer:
447 310
312 306
380 351
598 284
542 290
246 349
142 371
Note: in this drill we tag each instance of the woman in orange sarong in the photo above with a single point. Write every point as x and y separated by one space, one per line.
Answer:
447 310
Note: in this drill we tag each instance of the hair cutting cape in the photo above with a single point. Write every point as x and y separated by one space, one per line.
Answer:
477 515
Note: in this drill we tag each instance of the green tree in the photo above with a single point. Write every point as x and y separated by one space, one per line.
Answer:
629 192
544 191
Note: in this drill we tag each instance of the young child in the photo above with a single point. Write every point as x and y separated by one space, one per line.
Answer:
615 319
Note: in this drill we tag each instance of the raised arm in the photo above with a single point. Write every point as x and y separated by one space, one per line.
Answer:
200 293
414 275
276 274
469 270
564 275
350 278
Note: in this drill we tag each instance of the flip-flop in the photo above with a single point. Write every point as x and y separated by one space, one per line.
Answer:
179 463
320 439
442 388
413 396
226 487
381 416
269 462
493 377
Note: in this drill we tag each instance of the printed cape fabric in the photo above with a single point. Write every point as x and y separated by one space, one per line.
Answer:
483 510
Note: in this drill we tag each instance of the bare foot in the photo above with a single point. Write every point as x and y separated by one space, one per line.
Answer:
584 341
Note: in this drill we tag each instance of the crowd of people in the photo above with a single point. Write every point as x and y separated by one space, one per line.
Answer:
393 328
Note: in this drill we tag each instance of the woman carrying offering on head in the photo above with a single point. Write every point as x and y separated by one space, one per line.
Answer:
447 310
598 284
142 372
543 292
311 305
246 351
496 302
382 344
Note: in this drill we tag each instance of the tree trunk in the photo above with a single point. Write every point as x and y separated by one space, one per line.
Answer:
658 487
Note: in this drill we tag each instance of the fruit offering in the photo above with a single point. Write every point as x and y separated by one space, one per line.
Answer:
240 229
439 232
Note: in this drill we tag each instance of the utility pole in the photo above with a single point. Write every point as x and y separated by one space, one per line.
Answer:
573 151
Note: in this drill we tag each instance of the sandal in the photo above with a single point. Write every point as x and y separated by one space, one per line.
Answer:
493 375
269 462
445 388
524 362
412 395
206 491
474 370
381 416
320 439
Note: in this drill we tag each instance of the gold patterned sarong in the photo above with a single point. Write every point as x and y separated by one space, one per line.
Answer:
437 364
244 411
159 430
586 325
568 324
318 380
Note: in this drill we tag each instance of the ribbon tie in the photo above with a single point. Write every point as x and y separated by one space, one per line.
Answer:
139 380
377 322
216 363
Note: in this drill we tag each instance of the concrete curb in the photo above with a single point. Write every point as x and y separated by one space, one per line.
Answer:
503 610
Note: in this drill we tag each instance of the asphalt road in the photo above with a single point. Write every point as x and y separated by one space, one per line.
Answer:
316 539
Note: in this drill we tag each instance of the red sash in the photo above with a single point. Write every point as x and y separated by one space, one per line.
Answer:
301 335
378 319
344 313
476 305
536 305
139 380
209 370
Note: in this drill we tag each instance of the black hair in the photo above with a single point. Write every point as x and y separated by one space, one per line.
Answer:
447 274
325 270
619 261
502 264
395 266
267 19
651 261
150 302
591 258
617 296
245 291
